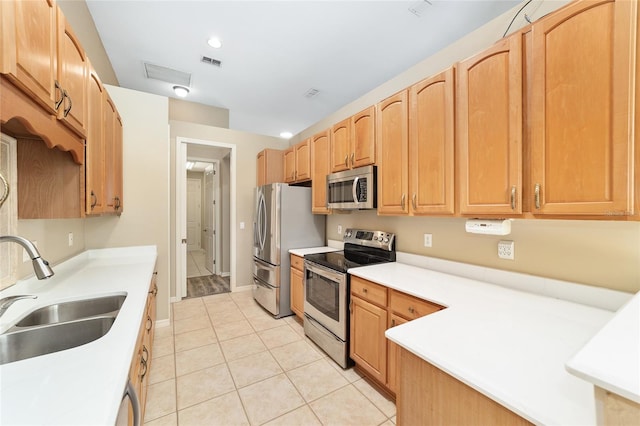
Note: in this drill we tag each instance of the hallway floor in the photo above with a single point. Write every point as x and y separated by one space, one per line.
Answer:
196 260
225 361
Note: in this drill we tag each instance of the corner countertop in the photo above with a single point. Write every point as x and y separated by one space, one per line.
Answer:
611 359
311 250
507 344
82 385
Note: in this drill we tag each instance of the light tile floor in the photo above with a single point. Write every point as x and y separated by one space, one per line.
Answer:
224 361
195 264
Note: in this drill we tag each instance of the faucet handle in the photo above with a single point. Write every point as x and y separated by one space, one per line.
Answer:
5 302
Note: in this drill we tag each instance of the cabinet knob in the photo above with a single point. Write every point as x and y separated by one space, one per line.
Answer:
536 195
94 200
364 290
353 158
58 102
513 197
393 322
413 201
346 160
411 310
402 200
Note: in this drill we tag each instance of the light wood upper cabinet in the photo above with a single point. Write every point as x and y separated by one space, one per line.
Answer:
94 167
270 164
353 141
113 157
392 125
303 160
320 152
72 77
289 165
489 125
582 102
431 145
28 56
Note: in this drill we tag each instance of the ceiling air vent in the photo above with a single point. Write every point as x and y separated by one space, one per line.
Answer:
211 61
169 75
311 93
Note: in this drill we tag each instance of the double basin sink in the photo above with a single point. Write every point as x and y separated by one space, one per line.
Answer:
58 327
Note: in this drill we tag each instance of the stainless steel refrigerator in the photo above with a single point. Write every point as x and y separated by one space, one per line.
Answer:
282 221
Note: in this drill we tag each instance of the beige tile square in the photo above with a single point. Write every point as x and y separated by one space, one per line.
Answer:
233 329
265 322
162 347
194 339
388 423
350 373
162 368
223 411
269 399
221 305
198 358
296 354
296 325
164 331
202 385
216 297
185 312
242 346
346 406
252 309
161 400
279 336
190 324
316 379
394 419
302 416
253 368
185 303
169 420
225 317
382 402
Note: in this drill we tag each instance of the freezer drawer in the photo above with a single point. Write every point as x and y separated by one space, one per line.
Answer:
266 272
266 295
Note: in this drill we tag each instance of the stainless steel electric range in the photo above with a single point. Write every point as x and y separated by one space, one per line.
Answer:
327 291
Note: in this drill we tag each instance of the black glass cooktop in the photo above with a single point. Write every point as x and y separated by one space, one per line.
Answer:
351 257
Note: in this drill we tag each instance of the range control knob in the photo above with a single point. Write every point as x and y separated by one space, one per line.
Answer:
375 238
386 240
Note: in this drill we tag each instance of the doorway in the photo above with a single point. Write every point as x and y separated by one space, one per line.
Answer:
205 214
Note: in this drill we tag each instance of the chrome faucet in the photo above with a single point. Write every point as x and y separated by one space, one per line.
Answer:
5 302
40 266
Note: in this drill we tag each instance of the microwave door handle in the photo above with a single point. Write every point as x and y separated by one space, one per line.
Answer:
354 189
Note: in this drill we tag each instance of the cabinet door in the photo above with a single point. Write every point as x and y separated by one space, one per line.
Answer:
297 292
393 355
289 165
113 157
431 144
261 168
94 169
393 163
363 138
72 76
303 161
582 102
368 346
341 146
29 54
320 154
489 112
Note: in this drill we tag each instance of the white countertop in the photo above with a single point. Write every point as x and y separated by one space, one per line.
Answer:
83 385
311 250
611 359
507 344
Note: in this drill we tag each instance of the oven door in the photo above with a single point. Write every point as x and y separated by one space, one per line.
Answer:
325 298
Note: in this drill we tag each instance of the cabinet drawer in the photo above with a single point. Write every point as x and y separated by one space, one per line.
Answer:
297 262
410 307
367 290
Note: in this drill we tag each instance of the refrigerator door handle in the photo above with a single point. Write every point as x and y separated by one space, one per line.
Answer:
263 228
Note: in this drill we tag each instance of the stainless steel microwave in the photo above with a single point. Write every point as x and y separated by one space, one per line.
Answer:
353 189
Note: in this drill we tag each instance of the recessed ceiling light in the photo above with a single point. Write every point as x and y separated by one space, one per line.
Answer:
181 91
286 135
215 42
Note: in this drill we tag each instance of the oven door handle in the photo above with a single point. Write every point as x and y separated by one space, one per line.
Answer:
354 190
338 277
256 281
320 327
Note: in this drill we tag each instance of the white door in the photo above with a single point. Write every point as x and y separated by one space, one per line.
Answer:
209 227
194 214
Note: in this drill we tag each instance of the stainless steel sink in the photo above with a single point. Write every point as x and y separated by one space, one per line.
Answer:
69 311
36 341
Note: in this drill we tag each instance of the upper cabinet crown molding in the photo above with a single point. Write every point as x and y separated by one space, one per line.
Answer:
582 104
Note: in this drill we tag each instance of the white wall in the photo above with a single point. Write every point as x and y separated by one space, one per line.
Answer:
145 217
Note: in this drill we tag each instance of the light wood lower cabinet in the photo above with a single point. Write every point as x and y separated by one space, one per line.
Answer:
141 362
297 285
428 396
368 346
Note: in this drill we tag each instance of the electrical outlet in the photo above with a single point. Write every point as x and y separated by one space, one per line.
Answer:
428 240
25 255
70 239
506 249
339 229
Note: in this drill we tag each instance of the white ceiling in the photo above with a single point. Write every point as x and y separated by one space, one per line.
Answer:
275 51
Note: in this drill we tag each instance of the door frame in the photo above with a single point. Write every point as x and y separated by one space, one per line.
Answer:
180 216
